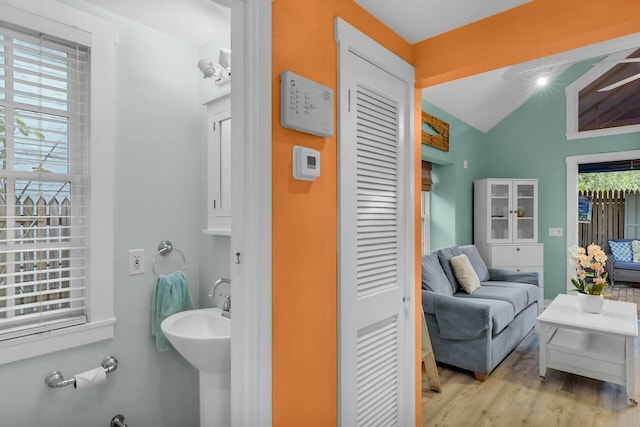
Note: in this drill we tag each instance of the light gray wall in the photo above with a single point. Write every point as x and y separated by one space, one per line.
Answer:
159 190
214 250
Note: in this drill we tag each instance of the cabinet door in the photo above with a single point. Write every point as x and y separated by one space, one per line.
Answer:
219 167
500 208
525 211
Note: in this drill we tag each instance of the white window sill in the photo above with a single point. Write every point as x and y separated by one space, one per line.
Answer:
61 339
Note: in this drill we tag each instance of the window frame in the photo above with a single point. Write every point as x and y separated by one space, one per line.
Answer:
100 36
425 199
621 47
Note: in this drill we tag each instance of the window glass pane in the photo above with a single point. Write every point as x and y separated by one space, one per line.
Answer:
2 70
3 237
42 218
41 142
3 137
602 108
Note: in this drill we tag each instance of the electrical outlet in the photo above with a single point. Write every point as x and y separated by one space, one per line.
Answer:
555 232
136 261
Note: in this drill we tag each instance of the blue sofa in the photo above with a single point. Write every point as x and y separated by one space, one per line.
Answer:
476 331
620 264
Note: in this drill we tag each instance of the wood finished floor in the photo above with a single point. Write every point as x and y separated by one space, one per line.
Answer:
514 396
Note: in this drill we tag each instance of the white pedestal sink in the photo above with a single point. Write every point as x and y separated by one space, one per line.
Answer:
203 337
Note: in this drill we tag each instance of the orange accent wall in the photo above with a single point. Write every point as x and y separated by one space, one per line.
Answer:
533 30
304 214
304 217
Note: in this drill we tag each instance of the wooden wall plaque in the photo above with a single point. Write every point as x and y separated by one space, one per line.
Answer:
439 141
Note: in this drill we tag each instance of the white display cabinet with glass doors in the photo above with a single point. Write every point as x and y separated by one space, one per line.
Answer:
506 225
506 210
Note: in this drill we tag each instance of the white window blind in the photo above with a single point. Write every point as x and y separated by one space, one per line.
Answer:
44 98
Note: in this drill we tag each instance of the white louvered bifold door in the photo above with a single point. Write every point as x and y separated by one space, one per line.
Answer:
373 262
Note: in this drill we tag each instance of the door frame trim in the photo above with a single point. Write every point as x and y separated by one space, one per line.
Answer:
251 374
572 194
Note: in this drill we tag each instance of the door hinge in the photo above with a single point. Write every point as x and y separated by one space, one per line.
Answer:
214 126
349 101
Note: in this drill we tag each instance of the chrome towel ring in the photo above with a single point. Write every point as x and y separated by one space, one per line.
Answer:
165 248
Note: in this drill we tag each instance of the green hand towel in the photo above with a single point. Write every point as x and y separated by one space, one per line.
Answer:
171 295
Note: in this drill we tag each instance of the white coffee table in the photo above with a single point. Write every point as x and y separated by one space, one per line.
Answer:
599 346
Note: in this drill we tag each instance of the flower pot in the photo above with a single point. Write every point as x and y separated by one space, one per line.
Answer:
591 303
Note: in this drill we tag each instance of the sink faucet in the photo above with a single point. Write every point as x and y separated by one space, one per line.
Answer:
226 306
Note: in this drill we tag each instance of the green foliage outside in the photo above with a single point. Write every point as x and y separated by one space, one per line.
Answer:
627 180
20 126
24 129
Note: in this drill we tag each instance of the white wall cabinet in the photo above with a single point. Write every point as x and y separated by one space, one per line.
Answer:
506 225
219 165
506 211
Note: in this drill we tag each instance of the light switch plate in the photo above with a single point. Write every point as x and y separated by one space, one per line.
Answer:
555 232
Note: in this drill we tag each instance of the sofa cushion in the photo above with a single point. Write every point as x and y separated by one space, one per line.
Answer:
635 249
501 312
465 273
444 255
627 265
433 278
518 298
533 291
476 261
621 250
506 275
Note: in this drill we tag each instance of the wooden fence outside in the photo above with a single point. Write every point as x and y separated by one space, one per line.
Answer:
43 272
607 218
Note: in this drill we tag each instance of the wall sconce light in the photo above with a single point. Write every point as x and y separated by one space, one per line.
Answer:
221 71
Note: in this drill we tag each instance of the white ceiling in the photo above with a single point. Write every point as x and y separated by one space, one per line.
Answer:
416 20
481 101
484 100
196 21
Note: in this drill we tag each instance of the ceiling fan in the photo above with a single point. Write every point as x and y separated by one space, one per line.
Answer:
625 80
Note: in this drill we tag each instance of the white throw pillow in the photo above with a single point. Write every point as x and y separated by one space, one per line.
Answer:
465 273
635 247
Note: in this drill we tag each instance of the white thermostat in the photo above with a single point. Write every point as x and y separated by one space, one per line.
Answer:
305 105
306 163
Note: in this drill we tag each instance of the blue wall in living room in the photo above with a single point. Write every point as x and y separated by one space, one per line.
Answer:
452 195
529 143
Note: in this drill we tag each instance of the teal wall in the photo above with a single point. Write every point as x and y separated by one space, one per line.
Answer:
452 195
529 143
